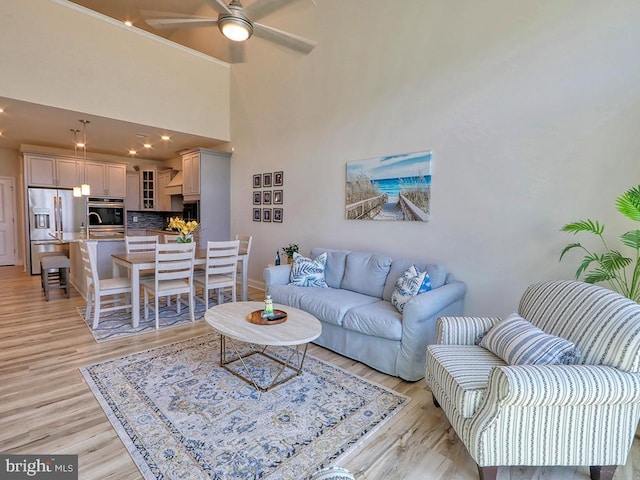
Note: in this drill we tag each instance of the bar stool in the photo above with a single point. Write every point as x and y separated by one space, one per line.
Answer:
55 271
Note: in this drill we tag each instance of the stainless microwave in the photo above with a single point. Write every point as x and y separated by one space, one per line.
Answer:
105 212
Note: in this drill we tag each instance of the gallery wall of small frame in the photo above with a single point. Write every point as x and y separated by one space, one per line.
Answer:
267 195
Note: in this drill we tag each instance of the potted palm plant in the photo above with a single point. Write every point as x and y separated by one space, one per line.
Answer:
621 272
289 250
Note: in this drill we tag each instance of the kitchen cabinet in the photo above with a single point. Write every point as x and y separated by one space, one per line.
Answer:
109 179
213 170
191 174
132 200
51 171
148 184
164 200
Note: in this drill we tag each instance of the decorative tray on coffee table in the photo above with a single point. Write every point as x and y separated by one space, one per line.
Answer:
279 316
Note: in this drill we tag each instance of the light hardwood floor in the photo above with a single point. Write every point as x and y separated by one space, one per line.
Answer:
45 406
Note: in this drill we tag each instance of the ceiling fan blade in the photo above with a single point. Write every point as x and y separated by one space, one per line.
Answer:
286 39
262 8
180 22
218 5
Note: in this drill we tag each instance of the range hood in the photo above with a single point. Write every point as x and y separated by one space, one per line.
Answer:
174 187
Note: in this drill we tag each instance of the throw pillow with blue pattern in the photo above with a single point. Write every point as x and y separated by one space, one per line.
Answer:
519 342
306 272
410 284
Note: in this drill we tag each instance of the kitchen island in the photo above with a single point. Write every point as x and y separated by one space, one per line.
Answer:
106 246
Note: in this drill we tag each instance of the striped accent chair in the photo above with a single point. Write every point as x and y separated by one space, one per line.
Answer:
580 414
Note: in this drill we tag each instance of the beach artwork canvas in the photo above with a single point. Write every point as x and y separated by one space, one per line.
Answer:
396 187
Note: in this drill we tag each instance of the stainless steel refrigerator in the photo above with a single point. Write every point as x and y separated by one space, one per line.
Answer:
52 211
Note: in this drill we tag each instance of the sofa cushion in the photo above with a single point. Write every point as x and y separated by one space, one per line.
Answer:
331 304
462 373
437 274
518 342
366 273
380 319
408 286
306 272
336 261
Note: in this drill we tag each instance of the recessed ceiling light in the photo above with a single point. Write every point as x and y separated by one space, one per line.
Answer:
132 152
147 145
80 145
128 23
165 137
1 110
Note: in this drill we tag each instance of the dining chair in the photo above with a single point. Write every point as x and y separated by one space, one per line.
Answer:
219 272
243 263
169 238
140 243
102 292
173 276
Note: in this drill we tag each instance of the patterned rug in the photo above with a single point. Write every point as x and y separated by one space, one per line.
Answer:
118 324
180 415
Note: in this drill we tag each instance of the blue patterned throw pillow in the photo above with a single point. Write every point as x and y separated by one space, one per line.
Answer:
410 284
518 342
306 272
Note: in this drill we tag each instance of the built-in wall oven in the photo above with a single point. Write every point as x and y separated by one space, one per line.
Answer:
191 210
105 216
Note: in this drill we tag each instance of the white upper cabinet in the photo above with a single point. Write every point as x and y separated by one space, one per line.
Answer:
191 174
109 179
49 171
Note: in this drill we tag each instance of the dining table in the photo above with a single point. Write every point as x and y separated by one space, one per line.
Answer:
136 262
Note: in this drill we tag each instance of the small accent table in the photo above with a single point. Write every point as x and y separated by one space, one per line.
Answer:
230 320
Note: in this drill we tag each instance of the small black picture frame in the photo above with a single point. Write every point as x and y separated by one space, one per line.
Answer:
277 215
266 180
277 197
257 198
266 214
257 215
266 197
257 181
278 179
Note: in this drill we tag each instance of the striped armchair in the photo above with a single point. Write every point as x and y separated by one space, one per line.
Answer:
581 414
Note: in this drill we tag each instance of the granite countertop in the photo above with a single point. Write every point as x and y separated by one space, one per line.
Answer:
71 237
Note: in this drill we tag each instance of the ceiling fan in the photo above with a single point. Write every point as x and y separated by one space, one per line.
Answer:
235 22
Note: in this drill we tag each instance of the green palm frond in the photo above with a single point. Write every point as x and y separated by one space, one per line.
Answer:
598 275
584 226
629 204
569 247
614 260
631 239
620 272
586 262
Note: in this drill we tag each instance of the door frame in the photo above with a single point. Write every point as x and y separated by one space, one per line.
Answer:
14 213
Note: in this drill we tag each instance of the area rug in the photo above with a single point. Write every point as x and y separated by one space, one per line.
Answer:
180 415
117 324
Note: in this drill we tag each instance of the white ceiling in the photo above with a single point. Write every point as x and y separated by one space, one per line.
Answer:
27 123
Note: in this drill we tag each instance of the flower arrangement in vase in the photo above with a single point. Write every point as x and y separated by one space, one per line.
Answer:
289 250
184 229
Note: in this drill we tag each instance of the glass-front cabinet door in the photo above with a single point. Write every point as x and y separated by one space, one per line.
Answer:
148 180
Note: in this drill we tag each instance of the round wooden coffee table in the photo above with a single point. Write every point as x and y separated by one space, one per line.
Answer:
230 320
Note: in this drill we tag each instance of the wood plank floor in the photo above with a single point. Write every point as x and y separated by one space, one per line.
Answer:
46 408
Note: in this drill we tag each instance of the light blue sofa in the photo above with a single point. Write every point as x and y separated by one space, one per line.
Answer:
358 319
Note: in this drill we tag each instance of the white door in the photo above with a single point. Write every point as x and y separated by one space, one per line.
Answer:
7 224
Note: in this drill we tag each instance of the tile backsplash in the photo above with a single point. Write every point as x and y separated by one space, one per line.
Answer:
150 220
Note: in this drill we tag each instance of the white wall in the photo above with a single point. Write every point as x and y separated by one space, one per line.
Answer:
58 54
531 110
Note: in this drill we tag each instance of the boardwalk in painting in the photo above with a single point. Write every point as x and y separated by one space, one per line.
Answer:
389 188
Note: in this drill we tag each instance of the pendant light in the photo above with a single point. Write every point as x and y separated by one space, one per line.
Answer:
85 187
77 191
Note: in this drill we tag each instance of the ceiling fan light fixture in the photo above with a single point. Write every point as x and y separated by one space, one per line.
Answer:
235 25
